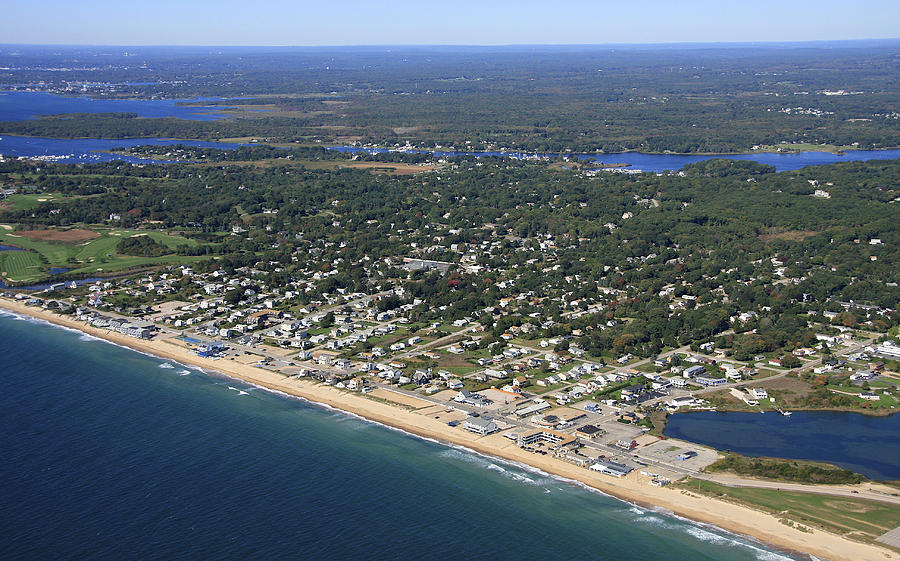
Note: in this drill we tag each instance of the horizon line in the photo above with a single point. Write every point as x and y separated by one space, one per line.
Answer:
461 45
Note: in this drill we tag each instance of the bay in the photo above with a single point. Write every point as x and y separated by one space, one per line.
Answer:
20 106
112 454
90 150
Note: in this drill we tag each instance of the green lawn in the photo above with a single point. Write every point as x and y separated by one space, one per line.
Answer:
29 201
458 370
553 387
84 257
21 265
885 401
869 519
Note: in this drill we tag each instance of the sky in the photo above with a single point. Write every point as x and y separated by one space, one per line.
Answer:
460 22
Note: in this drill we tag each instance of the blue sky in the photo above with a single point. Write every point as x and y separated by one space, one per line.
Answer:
461 22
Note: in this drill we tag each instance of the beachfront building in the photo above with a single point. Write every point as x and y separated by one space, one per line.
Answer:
556 439
614 469
133 328
480 425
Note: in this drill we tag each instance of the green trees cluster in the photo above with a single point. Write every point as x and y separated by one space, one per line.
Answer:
786 470
145 246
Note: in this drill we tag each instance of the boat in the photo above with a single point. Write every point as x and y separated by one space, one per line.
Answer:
785 413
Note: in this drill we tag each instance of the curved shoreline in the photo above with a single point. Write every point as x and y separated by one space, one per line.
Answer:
866 412
736 519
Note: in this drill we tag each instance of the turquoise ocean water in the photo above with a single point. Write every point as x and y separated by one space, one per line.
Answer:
112 454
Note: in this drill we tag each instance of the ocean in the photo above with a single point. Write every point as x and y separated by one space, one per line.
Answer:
113 454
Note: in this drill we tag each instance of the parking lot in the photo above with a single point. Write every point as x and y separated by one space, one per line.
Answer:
670 450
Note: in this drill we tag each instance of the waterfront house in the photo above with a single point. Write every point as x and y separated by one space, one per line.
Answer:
480 425
682 401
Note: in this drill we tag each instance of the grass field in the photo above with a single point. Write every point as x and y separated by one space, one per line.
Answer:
83 257
864 519
22 265
28 201
806 147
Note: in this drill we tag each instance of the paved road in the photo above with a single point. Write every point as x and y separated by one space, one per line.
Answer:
861 492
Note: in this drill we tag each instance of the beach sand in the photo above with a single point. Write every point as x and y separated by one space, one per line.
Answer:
634 488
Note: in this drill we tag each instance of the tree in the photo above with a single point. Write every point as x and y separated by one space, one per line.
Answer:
790 361
233 296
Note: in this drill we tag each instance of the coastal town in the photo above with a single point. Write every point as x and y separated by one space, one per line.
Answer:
532 399
545 394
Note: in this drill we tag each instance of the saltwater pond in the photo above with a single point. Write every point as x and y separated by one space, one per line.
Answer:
862 443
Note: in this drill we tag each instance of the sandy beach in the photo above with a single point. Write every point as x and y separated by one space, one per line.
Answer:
427 422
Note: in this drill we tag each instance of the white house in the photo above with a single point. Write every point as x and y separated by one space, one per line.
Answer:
480 425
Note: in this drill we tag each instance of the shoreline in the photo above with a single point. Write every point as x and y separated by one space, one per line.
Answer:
229 140
634 488
866 412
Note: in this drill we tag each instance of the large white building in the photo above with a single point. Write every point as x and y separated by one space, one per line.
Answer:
480 425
